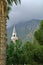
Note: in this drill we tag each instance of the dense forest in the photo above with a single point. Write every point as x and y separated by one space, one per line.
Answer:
30 53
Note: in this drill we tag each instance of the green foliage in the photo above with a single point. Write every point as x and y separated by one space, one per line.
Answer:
38 55
41 25
14 53
15 1
39 34
10 54
28 53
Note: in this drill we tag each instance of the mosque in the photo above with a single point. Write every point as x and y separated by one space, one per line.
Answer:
14 36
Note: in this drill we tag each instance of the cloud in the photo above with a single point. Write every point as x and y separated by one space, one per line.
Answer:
29 9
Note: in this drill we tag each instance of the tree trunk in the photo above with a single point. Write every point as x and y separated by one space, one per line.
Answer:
2 32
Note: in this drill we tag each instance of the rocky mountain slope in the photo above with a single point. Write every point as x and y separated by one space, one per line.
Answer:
24 30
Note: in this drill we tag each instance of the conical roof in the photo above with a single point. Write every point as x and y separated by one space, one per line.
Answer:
14 31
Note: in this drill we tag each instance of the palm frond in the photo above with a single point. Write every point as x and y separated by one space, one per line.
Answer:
8 10
15 1
9 4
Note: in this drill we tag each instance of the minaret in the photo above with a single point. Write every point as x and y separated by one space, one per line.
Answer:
14 36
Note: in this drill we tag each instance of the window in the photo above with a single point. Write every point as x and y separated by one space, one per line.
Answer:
14 35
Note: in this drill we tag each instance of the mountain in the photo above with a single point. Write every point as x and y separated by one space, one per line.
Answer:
25 30
9 34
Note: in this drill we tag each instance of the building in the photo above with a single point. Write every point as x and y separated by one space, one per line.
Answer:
14 36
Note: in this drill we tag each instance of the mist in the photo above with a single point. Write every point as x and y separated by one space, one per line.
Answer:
27 10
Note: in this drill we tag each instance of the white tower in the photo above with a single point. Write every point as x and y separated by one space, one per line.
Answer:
14 36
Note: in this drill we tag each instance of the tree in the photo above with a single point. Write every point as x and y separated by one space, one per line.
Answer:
38 52
14 53
28 52
38 55
39 34
4 9
9 54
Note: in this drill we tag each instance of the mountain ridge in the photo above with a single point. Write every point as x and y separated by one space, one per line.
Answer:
25 30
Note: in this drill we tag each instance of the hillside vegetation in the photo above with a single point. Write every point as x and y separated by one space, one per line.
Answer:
28 53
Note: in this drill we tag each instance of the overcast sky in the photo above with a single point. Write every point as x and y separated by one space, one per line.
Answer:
29 9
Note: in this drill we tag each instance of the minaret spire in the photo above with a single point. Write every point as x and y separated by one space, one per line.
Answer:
14 29
14 35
